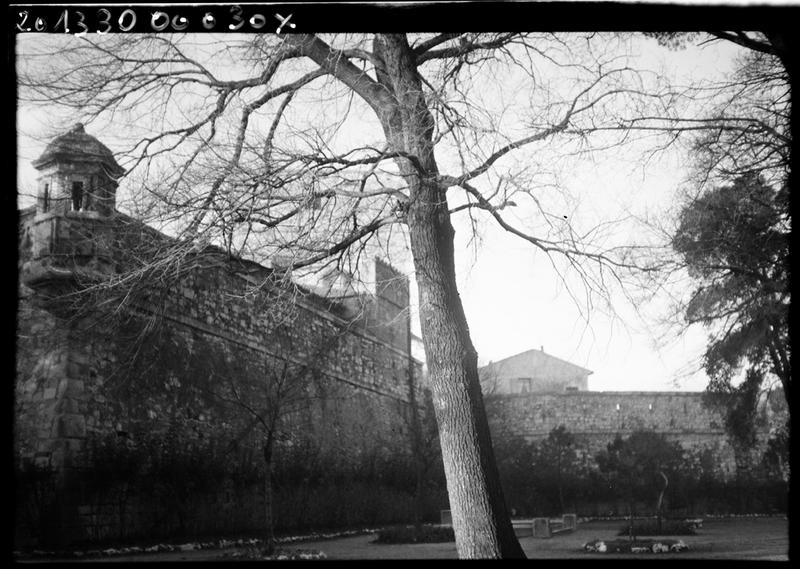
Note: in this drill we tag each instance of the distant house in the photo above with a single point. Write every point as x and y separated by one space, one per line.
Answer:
533 371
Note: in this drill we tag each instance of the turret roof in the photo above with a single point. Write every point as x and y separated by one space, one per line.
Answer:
76 144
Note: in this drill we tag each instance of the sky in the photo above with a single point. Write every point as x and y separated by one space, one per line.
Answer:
514 299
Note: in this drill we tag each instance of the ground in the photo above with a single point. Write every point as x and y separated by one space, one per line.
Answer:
764 538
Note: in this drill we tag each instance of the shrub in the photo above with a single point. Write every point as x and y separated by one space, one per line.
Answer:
410 534
650 527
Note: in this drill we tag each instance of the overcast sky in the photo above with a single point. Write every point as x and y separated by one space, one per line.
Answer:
515 301
513 297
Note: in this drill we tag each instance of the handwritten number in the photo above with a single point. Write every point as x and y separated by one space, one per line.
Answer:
237 17
127 27
63 21
179 23
105 20
24 16
258 21
159 21
81 18
127 21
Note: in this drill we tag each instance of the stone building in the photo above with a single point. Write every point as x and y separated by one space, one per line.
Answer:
533 371
124 332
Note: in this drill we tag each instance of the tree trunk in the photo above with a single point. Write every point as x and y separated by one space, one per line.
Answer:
660 504
631 535
559 483
269 526
480 519
481 522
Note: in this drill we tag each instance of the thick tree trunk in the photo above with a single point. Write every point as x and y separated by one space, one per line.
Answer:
480 519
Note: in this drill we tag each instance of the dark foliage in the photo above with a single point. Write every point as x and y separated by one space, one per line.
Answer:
410 534
695 487
734 240
651 527
547 478
37 513
641 464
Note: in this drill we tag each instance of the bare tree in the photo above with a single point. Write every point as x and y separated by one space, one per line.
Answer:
269 392
306 151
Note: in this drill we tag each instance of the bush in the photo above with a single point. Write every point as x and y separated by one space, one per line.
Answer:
650 527
410 534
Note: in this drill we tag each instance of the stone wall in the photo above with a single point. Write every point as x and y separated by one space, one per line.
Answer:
179 350
596 417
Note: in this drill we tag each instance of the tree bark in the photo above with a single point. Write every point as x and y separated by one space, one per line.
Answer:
481 522
480 519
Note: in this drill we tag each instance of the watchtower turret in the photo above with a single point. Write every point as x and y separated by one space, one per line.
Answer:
71 232
77 173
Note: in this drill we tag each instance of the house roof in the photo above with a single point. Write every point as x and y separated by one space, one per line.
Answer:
531 363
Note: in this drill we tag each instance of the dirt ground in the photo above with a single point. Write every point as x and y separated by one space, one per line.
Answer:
740 539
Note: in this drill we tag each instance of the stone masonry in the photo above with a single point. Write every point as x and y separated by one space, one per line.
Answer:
596 417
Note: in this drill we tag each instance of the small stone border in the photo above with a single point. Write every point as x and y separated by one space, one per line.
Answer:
637 546
704 516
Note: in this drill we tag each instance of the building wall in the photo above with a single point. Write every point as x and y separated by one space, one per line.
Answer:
533 371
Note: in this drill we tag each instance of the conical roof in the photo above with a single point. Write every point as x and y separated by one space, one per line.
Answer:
77 145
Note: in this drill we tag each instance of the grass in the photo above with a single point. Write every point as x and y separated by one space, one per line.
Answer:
410 534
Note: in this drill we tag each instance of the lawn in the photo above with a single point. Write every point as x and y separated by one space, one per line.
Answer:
746 538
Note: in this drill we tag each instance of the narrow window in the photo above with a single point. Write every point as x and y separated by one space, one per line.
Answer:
77 196
524 385
46 198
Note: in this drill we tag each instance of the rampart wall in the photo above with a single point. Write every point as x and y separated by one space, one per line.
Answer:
596 417
179 352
